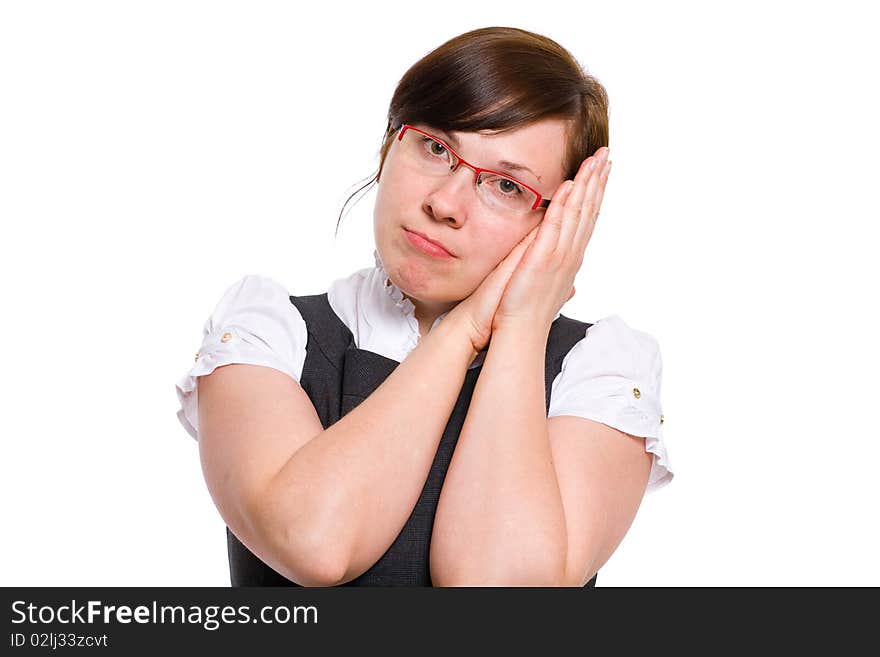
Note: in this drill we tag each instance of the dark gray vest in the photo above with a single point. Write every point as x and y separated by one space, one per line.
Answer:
337 376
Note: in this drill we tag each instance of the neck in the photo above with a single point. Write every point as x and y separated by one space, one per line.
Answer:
427 313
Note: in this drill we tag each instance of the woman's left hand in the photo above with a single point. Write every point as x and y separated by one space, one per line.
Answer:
544 278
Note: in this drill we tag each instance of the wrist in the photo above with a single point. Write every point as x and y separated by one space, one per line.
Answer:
456 332
518 343
527 331
519 339
460 324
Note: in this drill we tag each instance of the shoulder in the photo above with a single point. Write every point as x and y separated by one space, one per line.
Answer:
615 367
253 289
257 308
611 353
611 338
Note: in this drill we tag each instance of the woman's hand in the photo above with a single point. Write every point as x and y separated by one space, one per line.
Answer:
476 311
573 210
543 278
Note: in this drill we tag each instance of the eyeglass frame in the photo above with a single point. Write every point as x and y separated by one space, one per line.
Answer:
540 202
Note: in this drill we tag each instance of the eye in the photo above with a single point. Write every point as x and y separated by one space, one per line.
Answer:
509 188
434 146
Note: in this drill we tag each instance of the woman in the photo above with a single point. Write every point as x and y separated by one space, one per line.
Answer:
435 420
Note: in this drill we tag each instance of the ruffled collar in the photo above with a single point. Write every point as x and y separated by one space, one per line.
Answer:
396 294
407 308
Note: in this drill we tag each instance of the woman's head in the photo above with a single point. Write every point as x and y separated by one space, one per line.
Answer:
493 94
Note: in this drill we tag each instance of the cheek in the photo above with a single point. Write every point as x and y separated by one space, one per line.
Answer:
391 207
496 243
395 191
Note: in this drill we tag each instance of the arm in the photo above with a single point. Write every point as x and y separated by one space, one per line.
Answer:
321 506
500 518
527 500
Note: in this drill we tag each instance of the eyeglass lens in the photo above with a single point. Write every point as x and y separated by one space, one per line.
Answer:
432 157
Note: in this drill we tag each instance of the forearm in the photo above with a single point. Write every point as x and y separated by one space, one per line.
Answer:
355 484
500 519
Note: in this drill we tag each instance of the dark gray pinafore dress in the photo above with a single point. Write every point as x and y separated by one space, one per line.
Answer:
337 376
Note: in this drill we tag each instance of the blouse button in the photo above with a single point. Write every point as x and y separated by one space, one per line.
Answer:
661 419
226 337
197 355
636 393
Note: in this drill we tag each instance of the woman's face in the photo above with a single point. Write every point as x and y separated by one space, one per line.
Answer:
447 209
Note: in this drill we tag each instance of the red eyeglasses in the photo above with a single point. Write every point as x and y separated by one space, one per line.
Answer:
432 156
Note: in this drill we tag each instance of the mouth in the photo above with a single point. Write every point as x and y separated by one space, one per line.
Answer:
426 244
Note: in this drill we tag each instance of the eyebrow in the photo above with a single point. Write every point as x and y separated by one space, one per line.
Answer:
504 164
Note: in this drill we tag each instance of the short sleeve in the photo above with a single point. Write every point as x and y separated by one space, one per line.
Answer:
254 323
612 375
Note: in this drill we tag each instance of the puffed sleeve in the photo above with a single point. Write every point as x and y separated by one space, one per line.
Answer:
612 375
254 323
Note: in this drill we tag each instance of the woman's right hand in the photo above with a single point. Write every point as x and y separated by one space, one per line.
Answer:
476 312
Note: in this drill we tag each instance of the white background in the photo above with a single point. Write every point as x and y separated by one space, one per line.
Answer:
153 153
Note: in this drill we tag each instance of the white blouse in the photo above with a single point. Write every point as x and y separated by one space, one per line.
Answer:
611 375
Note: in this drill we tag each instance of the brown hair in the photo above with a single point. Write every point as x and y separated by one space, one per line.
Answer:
498 79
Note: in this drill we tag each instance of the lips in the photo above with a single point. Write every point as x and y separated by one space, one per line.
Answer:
432 241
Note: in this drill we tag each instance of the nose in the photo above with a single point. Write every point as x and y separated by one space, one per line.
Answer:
451 196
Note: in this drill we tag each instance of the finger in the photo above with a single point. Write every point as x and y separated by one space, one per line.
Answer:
548 235
581 195
590 211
